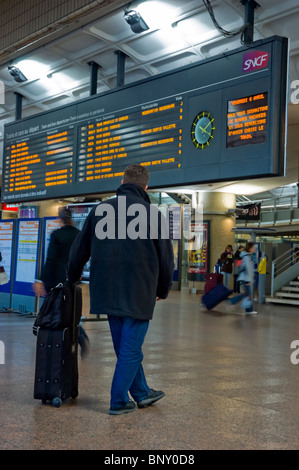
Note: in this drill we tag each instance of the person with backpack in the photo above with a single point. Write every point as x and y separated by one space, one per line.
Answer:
246 278
54 270
237 269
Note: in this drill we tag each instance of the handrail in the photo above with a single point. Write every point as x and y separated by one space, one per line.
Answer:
283 270
283 255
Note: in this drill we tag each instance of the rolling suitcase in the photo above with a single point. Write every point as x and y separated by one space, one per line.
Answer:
56 368
215 296
212 280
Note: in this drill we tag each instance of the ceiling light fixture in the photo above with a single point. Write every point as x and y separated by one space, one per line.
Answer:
16 74
135 20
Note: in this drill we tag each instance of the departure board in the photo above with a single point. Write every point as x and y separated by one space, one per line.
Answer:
40 162
219 119
151 137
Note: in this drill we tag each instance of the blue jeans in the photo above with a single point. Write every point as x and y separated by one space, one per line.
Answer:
248 292
128 336
226 278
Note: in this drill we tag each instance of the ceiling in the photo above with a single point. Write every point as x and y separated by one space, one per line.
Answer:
180 33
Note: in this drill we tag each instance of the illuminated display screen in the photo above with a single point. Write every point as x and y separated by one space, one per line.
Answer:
152 137
247 120
189 126
39 162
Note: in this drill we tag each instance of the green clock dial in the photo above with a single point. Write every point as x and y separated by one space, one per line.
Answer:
202 130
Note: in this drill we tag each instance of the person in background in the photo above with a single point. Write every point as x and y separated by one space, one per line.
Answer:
129 272
246 277
237 268
227 260
54 270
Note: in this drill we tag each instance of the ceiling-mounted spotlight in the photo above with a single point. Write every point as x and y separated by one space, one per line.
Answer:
135 20
16 74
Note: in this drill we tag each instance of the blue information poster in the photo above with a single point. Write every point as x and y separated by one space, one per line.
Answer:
26 260
6 250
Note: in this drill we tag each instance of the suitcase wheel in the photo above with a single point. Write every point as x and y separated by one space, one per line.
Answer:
57 402
74 394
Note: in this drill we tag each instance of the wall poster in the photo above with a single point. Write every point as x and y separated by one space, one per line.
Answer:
198 251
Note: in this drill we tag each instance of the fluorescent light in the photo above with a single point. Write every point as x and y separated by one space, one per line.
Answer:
157 14
242 188
33 69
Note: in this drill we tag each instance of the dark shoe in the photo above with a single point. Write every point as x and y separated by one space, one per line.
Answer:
83 341
153 396
130 406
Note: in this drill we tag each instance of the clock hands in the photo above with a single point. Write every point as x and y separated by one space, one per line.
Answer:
201 133
204 129
209 123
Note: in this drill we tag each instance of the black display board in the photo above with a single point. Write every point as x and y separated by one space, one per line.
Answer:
219 119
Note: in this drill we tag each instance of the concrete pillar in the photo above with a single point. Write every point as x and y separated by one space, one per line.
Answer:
215 210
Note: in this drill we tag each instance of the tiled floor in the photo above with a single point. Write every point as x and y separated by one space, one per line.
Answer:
229 384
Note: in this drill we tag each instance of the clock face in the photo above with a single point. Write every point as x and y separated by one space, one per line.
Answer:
202 130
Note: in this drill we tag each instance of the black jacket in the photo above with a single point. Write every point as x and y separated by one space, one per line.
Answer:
227 260
126 275
55 268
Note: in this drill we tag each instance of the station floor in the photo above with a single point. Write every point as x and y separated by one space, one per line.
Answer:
229 382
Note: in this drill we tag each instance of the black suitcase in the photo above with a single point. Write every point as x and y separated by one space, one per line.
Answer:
56 368
215 296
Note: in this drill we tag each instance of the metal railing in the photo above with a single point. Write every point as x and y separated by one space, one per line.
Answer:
284 269
277 210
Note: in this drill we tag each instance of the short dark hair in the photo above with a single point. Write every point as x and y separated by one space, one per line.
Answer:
65 214
248 246
136 174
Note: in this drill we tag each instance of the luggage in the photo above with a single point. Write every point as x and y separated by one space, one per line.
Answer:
56 368
212 280
57 311
215 296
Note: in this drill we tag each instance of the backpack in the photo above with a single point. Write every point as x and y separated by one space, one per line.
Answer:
57 310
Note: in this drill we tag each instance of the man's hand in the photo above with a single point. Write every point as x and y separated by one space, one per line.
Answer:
39 289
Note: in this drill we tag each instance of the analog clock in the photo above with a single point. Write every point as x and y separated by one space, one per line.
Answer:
202 130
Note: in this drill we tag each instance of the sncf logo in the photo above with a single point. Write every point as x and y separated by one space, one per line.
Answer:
255 60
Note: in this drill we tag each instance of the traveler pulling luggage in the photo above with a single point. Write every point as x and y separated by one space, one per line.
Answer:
57 330
215 296
214 290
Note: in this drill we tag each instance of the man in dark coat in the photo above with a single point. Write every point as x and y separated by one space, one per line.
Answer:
131 266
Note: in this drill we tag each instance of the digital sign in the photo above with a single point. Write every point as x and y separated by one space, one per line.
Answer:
40 162
219 119
247 120
151 137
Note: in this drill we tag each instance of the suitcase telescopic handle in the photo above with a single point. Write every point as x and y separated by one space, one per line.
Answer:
74 310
